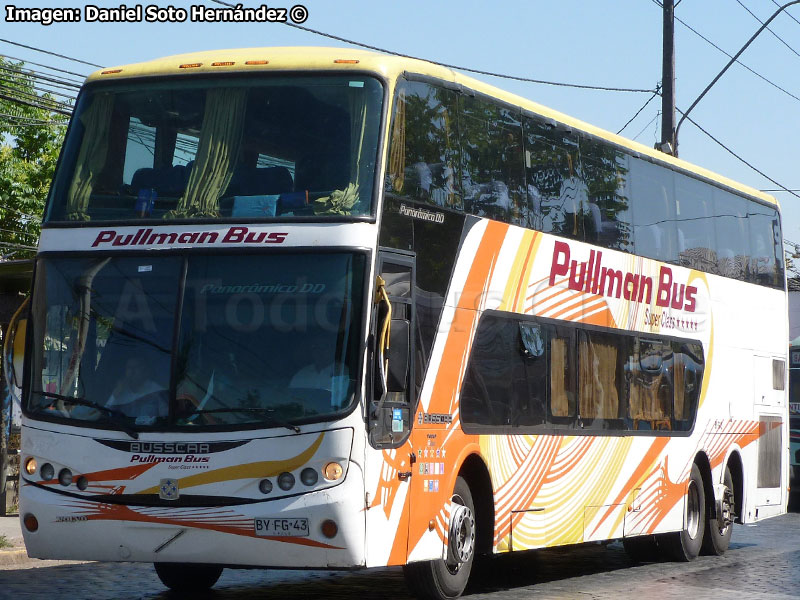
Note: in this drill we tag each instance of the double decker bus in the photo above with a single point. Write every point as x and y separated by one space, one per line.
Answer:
323 308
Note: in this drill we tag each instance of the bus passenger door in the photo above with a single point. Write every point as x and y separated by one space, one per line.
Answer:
390 409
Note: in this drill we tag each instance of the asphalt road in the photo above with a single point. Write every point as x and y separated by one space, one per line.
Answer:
763 562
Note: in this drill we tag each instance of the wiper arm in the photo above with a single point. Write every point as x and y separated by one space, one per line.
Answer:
246 409
113 417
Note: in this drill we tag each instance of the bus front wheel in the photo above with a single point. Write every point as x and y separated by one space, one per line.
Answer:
187 577
446 579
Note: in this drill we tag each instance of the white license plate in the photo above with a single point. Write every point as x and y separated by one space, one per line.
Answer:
268 526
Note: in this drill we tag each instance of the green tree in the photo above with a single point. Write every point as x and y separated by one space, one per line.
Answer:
30 139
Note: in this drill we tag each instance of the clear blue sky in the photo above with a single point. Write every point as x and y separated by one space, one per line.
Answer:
611 43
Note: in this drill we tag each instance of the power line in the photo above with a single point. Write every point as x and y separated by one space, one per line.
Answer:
44 66
51 53
648 125
36 98
656 93
29 73
31 104
756 169
787 13
449 66
754 72
782 41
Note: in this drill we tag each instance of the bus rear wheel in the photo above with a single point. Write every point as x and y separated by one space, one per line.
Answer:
685 545
447 579
719 528
187 577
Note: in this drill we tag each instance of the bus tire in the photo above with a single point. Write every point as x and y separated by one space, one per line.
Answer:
715 539
447 579
187 577
684 546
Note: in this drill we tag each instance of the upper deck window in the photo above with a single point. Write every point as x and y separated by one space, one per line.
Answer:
225 148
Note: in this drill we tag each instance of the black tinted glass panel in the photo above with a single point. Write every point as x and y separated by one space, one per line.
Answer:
694 215
652 188
733 235
424 149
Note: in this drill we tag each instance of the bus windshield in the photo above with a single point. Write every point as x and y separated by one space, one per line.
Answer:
171 342
215 148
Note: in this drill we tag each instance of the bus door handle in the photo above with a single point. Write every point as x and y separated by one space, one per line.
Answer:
404 475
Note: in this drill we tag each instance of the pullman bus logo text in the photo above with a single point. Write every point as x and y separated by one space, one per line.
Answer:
591 277
149 237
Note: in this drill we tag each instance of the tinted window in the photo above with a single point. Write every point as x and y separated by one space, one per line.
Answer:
649 372
688 382
733 235
652 188
601 388
766 255
694 215
557 194
491 145
609 220
424 150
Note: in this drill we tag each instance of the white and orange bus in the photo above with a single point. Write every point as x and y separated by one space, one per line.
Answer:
323 308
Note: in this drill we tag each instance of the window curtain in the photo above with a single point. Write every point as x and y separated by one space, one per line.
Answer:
397 154
96 121
599 396
217 152
559 399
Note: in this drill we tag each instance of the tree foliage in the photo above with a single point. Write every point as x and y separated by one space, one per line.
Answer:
30 139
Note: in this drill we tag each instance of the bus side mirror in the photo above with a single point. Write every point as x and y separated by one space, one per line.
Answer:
399 345
14 350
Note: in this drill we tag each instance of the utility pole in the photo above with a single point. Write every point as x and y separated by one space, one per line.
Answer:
669 143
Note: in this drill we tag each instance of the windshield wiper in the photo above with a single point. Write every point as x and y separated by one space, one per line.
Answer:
271 419
113 417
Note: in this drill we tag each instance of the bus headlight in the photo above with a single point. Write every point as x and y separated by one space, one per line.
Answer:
31 466
265 486
65 477
47 472
286 481
309 476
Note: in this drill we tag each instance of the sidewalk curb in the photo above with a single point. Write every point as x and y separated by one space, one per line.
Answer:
14 556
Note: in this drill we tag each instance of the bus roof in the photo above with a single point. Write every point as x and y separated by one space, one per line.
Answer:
313 58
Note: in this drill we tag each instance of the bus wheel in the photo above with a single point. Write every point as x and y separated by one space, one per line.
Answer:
446 579
717 536
685 545
187 577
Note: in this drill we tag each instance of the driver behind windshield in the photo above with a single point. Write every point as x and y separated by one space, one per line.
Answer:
136 394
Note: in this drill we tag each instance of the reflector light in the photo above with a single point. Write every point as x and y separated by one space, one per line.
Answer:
346 61
110 71
265 486
31 523
82 483
223 64
329 528
190 65
332 471
31 466
256 62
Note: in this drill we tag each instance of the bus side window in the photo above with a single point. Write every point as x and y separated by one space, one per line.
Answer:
688 380
557 195
424 150
561 377
733 235
652 188
491 150
650 384
601 393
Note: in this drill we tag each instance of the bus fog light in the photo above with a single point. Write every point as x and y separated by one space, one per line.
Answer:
47 472
31 523
31 466
265 486
309 476
65 477
82 483
329 528
286 481
333 471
